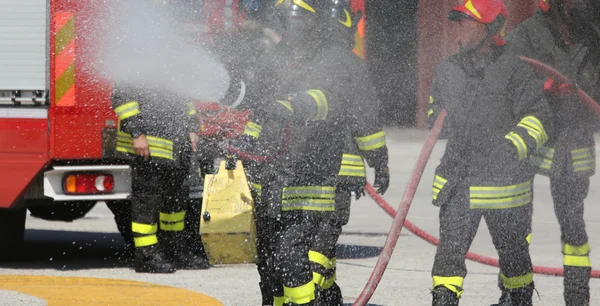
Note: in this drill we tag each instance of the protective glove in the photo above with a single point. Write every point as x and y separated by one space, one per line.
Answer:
358 190
382 179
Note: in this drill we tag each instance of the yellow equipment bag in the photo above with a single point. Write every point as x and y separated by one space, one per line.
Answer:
227 222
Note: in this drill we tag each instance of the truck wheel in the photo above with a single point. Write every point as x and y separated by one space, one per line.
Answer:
12 228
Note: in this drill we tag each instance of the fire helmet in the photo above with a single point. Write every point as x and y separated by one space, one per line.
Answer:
492 13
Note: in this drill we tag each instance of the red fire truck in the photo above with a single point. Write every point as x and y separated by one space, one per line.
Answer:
57 126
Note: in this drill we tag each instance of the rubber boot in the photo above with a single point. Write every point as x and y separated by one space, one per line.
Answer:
267 294
331 297
522 296
504 299
576 283
442 296
181 254
150 260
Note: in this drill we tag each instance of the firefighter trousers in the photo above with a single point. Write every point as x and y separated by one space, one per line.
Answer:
158 201
300 229
568 194
509 228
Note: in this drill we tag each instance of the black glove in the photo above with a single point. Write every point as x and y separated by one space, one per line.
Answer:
382 179
358 190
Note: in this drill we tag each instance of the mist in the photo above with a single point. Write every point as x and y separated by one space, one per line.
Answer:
144 45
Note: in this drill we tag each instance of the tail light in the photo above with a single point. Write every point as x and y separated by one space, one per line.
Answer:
88 183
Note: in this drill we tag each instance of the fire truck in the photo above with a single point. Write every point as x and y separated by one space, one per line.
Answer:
57 125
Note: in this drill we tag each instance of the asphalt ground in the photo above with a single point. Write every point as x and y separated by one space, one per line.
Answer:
58 255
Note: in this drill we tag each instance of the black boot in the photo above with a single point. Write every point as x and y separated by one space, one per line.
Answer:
522 296
181 254
150 260
504 299
577 288
266 293
442 296
331 297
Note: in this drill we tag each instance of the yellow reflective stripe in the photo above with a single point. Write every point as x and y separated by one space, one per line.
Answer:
352 171
308 205
191 109
321 100
499 191
519 143
429 112
144 229
318 279
328 282
287 104
145 241
517 281
279 300
528 238
172 227
172 217
371 142
501 203
438 183
352 160
127 110
535 129
568 249
430 99
300 295
453 283
577 261
323 192
321 259
252 129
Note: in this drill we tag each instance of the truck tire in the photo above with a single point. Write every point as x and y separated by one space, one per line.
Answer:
12 228
61 211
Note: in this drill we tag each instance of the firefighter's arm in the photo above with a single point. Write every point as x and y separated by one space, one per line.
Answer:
533 111
127 108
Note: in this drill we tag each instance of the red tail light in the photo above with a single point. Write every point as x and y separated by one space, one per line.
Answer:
88 183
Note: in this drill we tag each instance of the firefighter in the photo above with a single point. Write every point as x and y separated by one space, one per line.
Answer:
159 132
565 35
498 117
365 138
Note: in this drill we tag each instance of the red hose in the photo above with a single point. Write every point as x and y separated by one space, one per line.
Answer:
407 197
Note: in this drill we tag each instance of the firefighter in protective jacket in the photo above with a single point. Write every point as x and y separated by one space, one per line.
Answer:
497 119
364 139
159 132
565 34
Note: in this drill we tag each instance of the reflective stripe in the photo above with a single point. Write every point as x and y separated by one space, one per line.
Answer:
257 188
191 109
279 300
543 158
353 171
252 129
497 197
429 112
371 142
535 129
577 261
145 241
583 159
321 259
430 99
322 105
324 283
352 160
438 184
311 198
300 295
159 147
528 238
519 143
172 226
452 283
127 110
144 229
568 249
154 152
287 104
517 281
172 217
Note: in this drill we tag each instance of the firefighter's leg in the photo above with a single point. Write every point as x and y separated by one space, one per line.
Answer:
458 226
122 213
510 231
569 193
145 201
299 230
172 222
322 254
193 183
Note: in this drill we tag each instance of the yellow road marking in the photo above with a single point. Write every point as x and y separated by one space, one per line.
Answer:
82 291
